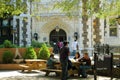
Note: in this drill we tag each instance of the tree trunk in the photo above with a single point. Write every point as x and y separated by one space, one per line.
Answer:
85 26
96 25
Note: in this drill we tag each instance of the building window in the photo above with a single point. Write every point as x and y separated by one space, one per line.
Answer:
5 22
11 22
113 31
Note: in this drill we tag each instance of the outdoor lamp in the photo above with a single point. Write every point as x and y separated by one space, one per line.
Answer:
76 35
36 36
57 28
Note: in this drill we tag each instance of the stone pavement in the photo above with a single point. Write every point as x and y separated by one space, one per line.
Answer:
38 75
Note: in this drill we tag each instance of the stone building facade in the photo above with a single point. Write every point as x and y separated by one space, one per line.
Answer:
44 22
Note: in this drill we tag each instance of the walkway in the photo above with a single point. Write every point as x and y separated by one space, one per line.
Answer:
38 75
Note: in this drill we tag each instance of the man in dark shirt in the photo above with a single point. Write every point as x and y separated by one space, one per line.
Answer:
85 64
64 53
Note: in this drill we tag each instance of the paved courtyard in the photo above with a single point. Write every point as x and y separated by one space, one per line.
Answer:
38 75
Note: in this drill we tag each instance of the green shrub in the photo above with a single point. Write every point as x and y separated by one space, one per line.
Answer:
44 52
1 46
30 53
7 44
37 44
7 57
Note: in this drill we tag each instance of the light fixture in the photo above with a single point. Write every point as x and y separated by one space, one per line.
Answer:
76 35
57 28
36 36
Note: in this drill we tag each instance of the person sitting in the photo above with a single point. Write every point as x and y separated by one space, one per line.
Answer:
50 63
85 64
77 56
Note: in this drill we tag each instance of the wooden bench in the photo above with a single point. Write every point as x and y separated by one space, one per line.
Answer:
32 64
57 71
24 67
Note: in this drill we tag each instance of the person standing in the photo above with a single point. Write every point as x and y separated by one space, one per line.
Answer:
64 53
74 47
60 45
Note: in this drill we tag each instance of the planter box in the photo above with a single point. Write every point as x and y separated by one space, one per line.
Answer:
10 67
20 50
13 50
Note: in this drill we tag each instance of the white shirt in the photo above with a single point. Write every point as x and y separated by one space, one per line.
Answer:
74 45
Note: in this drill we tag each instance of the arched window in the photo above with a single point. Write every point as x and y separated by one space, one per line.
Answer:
113 27
113 31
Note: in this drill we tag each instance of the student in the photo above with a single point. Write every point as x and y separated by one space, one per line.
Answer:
64 53
50 63
85 64
74 47
77 56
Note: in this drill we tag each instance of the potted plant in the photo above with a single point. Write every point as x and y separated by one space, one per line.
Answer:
7 57
44 52
30 53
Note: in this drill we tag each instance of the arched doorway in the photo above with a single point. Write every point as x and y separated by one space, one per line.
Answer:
56 36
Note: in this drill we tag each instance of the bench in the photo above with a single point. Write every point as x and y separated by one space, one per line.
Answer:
24 67
57 71
33 64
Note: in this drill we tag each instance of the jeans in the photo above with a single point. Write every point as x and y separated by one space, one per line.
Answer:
73 53
64 64
83 69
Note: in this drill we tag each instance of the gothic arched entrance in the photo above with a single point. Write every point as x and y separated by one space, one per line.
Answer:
56 36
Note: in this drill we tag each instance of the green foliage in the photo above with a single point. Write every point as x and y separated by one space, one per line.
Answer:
98 8
112 22
47 44
70 7
1 46
44 52
9 7
37 44
7 44
7 57
30 53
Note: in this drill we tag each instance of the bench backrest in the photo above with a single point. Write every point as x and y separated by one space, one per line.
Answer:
103 61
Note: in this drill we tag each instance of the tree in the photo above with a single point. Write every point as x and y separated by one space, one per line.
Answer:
12 7
97 8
